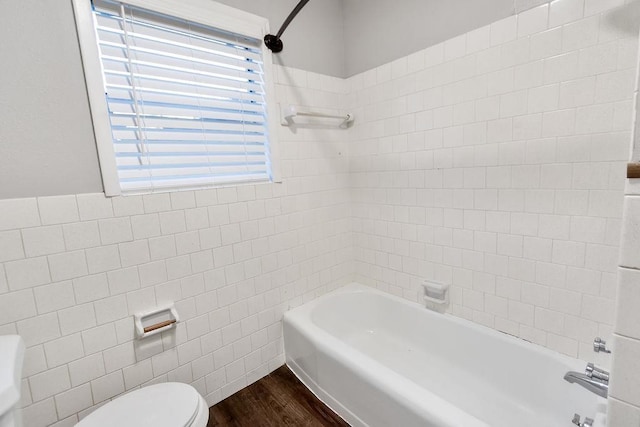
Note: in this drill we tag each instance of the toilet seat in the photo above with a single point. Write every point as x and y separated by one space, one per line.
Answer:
159 405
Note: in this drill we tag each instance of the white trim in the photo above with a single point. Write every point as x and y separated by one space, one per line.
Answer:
204 12
227 184
97 103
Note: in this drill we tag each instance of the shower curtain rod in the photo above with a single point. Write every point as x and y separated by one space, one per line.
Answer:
273 42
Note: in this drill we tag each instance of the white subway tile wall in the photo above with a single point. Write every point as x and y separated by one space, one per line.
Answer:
495 162
74 269
624 404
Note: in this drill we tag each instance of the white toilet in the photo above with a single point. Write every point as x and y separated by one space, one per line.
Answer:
11 358
161 405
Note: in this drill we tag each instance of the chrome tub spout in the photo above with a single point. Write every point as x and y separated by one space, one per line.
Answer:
591 383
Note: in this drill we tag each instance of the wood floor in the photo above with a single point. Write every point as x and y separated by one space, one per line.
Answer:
278 399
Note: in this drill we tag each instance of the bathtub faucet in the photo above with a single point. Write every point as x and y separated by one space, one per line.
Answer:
594 379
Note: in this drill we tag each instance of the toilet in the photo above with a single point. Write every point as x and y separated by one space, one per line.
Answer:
11 359
159 405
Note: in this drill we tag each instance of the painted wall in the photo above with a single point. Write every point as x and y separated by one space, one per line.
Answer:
73 270
314 41
380 31
344 37
495 162
46 138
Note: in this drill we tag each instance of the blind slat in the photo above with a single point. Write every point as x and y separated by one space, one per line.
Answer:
160 142
169 106
145 129
181 96
148 117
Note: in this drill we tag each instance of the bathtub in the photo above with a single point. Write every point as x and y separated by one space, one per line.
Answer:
379 360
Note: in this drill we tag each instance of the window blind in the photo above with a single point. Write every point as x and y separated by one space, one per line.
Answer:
186 102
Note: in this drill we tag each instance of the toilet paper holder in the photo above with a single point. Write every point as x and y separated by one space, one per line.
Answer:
155 321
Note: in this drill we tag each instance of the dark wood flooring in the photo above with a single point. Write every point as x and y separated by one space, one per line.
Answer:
278 399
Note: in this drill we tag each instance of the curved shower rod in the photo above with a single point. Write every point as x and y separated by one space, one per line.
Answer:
273 42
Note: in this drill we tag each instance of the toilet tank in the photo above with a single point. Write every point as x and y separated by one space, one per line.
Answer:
11 358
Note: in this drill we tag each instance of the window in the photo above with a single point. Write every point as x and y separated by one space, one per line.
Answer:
181 104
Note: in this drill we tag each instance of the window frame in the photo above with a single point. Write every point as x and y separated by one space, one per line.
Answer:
205 12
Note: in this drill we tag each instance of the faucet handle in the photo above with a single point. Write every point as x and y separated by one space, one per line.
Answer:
576 419
593 371
600 346
588 422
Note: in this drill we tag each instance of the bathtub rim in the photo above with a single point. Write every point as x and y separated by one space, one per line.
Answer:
355 287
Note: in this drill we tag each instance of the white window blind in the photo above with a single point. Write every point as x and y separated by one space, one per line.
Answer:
186 102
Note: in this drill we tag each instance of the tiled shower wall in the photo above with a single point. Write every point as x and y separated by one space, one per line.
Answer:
624 393
495 162
73 270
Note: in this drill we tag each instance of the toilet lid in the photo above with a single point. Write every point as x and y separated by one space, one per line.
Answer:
160 405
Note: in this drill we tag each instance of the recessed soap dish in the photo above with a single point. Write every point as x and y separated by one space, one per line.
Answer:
155 321
435 293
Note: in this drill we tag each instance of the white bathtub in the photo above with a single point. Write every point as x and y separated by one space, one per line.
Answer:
378 360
